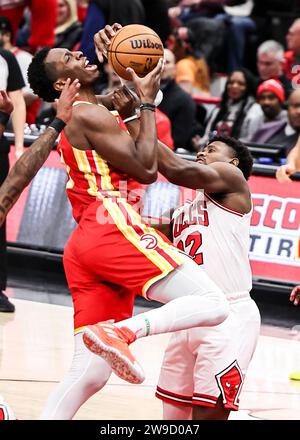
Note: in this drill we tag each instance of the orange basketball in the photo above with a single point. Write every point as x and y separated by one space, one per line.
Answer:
135 46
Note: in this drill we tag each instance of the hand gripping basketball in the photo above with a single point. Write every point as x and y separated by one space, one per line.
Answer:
135 46
148 86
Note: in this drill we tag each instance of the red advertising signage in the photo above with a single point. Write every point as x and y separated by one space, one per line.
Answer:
275 226
275 229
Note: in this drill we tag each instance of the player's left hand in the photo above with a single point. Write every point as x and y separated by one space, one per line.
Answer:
125 101
6 104
295 295
284 172
67 97
148 86
102 40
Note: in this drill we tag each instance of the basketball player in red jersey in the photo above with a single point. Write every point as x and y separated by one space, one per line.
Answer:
204 368
108 259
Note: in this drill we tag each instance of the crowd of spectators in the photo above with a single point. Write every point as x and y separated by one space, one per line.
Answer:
231 65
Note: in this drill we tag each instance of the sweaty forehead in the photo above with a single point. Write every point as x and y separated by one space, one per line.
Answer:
55 55
221 147
218 145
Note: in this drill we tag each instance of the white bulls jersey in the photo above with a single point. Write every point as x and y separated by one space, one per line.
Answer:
217 238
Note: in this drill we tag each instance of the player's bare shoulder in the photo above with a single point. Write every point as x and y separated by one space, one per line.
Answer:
237 196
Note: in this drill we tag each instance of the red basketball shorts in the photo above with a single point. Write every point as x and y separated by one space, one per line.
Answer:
110 258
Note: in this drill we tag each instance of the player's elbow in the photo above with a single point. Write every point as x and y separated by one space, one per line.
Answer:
148 176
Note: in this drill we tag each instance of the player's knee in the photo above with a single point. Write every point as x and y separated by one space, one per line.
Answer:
97 375
96 382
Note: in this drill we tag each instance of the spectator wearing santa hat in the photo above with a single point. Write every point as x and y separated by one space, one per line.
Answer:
270 96
279 132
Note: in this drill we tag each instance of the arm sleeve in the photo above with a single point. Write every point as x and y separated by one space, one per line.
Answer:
15 79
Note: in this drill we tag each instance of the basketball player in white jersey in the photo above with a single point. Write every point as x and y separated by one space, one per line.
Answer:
204 368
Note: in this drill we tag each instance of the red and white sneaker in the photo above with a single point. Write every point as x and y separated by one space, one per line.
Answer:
111 343
6 412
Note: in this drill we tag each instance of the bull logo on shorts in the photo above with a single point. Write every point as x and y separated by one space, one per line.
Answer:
230 382
150 241
3 413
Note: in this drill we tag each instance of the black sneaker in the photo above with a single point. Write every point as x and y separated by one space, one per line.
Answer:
5 304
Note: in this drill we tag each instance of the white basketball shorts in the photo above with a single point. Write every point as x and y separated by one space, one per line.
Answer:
200 364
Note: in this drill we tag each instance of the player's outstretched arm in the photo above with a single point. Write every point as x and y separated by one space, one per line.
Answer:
218 177
295 295
32 160
284 173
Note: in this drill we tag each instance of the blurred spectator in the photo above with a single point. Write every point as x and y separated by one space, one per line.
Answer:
235 16
177 104
285 134
156 17
82 6
102 12
11 80
42 30
24 59
270 63
187 10
192 72
112 81
68 29
292 56
238 108
271 97
240 26
164 129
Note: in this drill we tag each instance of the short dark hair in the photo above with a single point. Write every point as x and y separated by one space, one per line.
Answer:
41 76
241 151
5 26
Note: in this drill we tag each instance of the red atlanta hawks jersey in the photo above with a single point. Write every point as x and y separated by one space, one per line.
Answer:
91 178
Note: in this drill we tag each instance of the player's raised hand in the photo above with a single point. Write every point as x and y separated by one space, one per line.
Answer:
148 86
125 101
67 97
6 104
295 295
102 40
284 172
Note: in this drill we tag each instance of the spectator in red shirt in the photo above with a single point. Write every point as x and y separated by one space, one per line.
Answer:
292 56
43 19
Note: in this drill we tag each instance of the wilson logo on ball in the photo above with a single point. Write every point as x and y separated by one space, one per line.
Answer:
145 44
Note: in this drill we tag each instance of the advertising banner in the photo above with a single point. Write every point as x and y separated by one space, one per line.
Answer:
42 218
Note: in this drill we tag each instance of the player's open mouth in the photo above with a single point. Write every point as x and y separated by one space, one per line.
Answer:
88 66
200 160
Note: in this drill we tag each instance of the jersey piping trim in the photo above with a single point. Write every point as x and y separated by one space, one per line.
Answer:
238 213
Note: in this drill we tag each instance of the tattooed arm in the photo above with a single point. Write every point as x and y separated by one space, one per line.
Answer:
32 160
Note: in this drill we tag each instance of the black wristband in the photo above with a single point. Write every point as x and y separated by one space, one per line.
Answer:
57 124
4 118
147 106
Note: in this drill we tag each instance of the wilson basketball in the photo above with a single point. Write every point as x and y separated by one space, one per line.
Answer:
135 46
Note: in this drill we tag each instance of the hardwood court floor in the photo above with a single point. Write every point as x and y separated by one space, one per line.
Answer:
36 345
